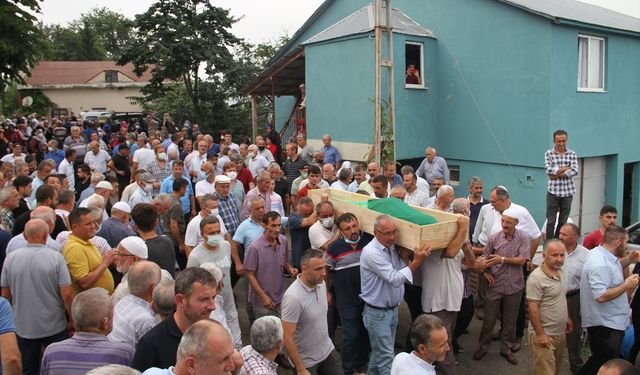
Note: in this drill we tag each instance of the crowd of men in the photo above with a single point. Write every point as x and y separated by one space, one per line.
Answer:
121 248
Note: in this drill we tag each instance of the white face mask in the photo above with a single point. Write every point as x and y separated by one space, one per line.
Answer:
232 175
252 155
163 156
214 240
213 212
147 188
327 222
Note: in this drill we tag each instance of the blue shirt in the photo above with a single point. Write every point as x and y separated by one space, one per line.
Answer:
57 156
115 150
382 275
601 271
167 187
331 155
6 317
247 232
430 170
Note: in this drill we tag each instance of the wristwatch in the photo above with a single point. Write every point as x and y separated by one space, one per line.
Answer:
502 260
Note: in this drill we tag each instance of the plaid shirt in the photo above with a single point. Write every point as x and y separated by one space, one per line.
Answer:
563 186
509 277
228 211
7 220
158 173
255 363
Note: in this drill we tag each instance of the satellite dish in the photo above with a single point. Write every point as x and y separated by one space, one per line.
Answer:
27 101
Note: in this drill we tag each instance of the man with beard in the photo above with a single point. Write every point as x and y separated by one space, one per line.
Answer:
608 217
195 293
133 315
604 298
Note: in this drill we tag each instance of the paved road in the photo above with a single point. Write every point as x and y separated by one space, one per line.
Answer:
491 364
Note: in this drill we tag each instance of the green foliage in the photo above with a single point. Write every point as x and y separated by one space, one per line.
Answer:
387 138
182 38
20 40
11 106
96 35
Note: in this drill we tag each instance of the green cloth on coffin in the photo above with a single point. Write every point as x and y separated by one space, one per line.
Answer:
396 208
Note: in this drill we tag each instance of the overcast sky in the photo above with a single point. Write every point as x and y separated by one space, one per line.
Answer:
263 20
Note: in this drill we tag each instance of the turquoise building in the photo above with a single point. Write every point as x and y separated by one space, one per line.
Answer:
498 78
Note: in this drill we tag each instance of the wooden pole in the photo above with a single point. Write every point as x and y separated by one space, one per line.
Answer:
378 80
254 116
390 80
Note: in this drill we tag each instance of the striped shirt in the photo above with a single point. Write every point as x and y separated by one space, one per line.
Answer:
562 186
228 210
132 318
292 170
83 352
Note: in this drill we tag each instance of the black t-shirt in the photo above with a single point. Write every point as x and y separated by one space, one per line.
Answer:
157 348
161 252
122 164
21 221
345 282
299 238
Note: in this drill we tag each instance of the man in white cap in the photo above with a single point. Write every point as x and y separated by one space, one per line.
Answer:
130 250
506 252
103 189
143 192
133 315
116 228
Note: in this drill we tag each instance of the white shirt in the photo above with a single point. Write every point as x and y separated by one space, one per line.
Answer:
97 163
339 185
18 242
266 154
482 231
11 158
204 187
442 282
66 168
525 224
173 148
194 163
128 192
319 235
572 268
143 156
193 236
140 196
411 364
422 184
258 164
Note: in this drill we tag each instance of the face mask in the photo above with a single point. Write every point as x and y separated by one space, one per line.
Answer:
232 175
147 188
252 155
50 149
304 174
214 240
261 148
163 156
129 143
203 175
352 242
214 212
327 222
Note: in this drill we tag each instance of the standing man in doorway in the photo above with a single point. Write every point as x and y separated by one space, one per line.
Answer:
561 165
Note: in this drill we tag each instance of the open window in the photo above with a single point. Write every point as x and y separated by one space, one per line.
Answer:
591 63
414 65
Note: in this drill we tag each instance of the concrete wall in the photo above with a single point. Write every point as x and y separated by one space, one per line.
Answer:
83 99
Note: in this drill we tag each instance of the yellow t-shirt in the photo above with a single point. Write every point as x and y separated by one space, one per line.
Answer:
83 257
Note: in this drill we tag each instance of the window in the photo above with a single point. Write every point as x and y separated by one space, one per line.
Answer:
414 65
111 76
591 63
454 175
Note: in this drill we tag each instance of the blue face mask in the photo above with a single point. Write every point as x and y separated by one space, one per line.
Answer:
352 242
203 175
214 240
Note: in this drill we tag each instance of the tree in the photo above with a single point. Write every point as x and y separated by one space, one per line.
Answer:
20 40
113 30
181 39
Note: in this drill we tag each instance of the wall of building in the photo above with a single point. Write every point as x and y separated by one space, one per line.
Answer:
83 99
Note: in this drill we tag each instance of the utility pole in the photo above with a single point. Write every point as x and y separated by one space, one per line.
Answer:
384 63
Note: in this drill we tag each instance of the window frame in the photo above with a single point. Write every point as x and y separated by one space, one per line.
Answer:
423 81
113 73
603 67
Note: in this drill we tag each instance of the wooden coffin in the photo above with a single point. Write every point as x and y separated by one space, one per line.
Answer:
409 235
